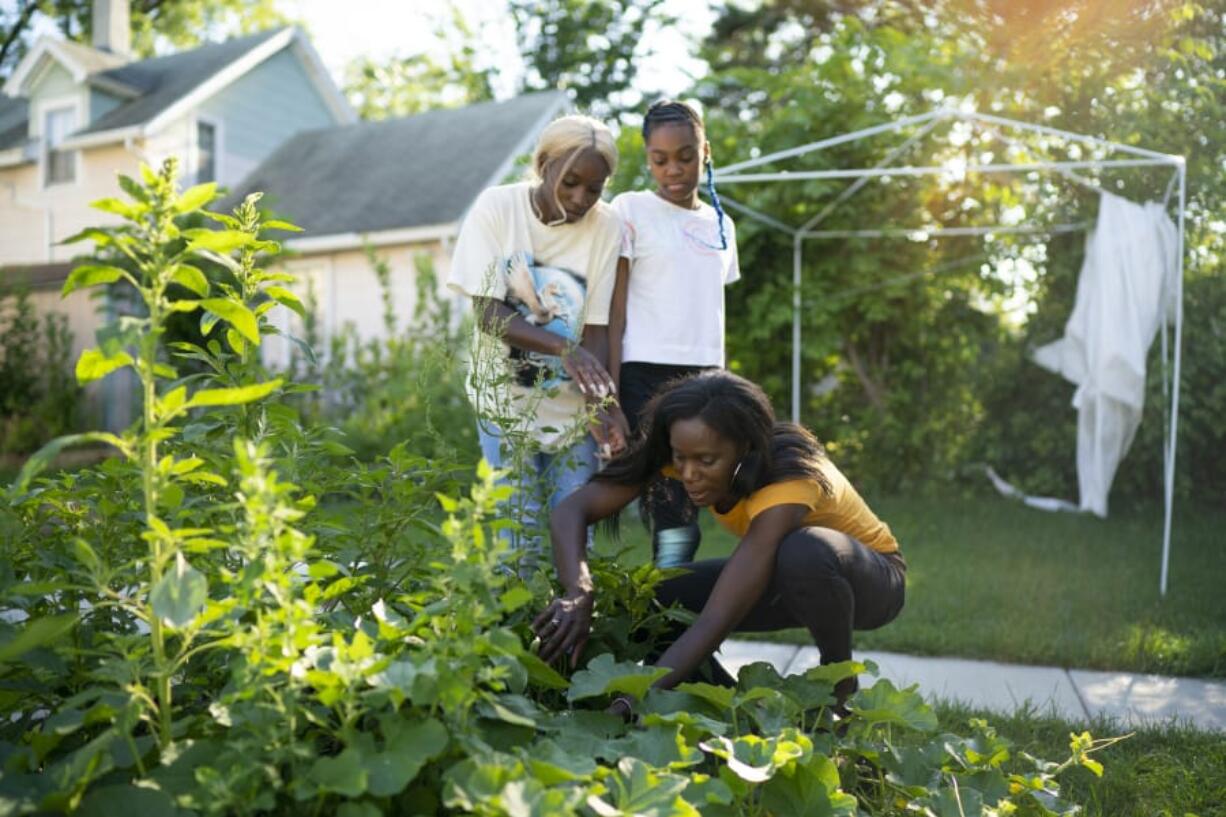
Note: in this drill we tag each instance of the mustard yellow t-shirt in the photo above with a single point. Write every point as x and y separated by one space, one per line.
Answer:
842 509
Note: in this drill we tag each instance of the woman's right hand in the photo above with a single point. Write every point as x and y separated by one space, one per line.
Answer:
588 373
565 625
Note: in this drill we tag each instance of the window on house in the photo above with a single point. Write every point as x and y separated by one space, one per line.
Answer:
206 152
61 165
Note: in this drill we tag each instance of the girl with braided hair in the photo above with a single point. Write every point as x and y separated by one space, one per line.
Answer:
667 317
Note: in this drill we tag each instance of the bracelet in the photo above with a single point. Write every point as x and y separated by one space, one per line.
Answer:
628 702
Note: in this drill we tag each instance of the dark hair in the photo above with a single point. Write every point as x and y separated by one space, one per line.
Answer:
668 111
735 408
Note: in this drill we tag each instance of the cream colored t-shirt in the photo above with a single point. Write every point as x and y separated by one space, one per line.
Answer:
559 278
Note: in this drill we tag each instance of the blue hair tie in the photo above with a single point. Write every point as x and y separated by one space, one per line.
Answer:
719 209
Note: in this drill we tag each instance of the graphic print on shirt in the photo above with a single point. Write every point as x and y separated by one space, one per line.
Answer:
551 298
701 236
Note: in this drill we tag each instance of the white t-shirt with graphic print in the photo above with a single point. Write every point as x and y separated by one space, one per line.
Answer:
675 301
557 277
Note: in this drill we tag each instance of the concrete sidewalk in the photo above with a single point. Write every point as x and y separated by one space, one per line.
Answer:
1074 695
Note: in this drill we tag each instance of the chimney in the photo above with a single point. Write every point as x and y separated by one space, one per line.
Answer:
112 27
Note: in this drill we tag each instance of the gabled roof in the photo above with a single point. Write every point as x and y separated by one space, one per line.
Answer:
161 88
163 81
416 171
78 60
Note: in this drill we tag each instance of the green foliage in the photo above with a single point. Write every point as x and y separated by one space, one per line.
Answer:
403 388
188 628
921 354
407 85
38 399
590 49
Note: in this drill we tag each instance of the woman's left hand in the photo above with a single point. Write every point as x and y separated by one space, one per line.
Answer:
564 626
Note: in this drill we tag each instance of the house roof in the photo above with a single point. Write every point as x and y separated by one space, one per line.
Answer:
163 81
157 89
401 173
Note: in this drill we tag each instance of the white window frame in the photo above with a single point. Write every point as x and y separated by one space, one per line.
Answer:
44 107
218 149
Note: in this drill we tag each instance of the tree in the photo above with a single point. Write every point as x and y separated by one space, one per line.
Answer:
403 86
590 48
178 23
928 368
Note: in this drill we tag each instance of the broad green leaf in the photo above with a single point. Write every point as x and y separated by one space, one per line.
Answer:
410 745
196 197
237 315
88 275
286 298
192 278
37 633
883 703
274 224
180 594
344 774
223 218
119 207
755 759
515 598
541 673
551 764
94 364
218 241
358 809
233 397
604 676
126 799
636 789
235 341
45 455
133 189
720 697
808 788
660 747
99 237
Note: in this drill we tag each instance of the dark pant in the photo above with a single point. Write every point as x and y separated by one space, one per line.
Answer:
674 526
824 580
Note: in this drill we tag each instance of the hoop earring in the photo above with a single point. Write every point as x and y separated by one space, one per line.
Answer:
736 471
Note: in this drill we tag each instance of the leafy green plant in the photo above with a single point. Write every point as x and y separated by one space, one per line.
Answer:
38 398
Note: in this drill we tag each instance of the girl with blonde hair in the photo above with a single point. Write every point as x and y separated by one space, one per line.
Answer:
538 259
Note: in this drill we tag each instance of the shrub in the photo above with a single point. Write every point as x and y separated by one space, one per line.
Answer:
39 399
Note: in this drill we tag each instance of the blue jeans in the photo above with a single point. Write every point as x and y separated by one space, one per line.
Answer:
546 477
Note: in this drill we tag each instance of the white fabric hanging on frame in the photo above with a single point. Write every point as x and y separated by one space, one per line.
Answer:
1124 284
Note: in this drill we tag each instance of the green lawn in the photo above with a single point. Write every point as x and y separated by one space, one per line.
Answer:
990 578
1167 771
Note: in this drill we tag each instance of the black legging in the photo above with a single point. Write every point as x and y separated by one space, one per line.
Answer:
824 580
667 506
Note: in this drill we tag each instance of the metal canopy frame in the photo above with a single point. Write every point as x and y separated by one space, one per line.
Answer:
1138 157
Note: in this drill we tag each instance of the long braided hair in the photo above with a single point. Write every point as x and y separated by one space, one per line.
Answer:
669 111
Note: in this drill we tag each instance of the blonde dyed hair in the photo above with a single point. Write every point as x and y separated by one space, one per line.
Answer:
563 140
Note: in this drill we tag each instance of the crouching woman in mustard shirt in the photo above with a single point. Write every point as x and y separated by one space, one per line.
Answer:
812 554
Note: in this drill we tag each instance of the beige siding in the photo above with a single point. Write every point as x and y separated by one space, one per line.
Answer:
346 291
30 213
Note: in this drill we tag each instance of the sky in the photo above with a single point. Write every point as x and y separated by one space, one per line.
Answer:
345 29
